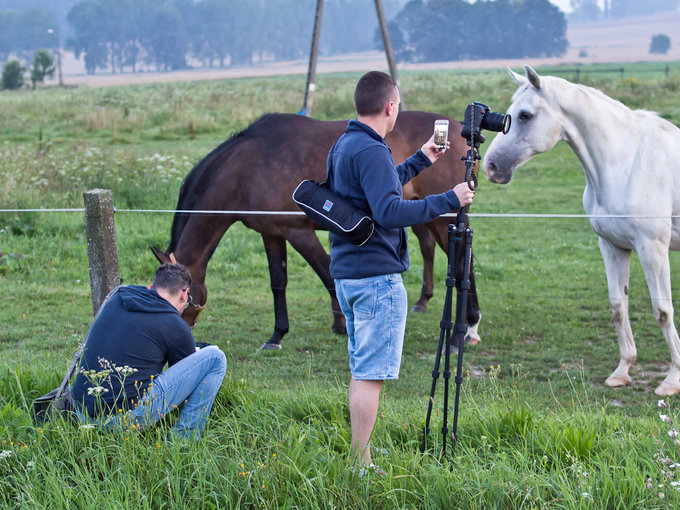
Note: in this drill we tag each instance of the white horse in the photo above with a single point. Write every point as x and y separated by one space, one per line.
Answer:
631 160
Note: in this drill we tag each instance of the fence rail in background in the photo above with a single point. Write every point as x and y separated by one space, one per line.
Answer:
620 70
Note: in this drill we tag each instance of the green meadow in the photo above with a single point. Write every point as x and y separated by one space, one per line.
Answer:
537 427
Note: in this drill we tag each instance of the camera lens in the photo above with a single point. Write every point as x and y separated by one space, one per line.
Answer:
496 122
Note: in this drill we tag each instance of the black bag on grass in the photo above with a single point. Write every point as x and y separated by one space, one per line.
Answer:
59 400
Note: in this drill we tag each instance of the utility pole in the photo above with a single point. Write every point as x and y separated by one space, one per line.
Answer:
61 78
313 53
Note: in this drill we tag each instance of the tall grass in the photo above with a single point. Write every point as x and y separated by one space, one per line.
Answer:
537 428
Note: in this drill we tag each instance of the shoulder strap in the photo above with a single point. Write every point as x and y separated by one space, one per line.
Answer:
76 357
326 184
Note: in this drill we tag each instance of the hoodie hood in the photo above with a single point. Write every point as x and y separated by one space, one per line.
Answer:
136 298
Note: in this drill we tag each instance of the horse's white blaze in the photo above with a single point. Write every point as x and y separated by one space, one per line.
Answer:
631 160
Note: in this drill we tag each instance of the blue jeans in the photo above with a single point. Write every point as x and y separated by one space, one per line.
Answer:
375 311
193 382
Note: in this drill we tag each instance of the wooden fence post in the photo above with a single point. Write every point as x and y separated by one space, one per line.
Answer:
101 244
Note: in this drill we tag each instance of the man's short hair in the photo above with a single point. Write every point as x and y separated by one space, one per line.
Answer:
373 91
172 278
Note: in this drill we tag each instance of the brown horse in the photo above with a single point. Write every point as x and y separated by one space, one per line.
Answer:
258 169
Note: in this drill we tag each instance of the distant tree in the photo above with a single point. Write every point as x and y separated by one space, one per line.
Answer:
629 8
584 11
89 40
661 43
164 37
440 30
43 65
13 75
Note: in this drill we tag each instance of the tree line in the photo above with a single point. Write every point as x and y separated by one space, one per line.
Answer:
445 30
131 35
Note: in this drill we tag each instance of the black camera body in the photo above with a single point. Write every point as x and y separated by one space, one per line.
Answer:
478 116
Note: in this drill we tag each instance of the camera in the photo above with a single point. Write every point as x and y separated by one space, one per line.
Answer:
478 116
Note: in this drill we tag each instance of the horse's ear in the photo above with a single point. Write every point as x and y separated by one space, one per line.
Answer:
518 78
160 255
533 77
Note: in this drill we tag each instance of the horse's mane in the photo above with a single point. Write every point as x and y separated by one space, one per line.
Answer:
199 178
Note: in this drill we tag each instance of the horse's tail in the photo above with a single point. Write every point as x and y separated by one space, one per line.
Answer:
198 180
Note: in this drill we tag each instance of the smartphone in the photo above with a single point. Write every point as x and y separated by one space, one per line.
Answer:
441 133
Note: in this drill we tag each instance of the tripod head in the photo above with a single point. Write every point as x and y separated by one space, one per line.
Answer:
478 116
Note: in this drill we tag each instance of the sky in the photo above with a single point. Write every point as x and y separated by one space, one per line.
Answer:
564 5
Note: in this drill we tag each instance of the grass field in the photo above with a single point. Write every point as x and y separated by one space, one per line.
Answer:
537 426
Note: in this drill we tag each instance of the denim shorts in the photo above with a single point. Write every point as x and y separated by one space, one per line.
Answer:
375 311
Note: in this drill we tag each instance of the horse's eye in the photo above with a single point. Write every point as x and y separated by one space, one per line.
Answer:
525 116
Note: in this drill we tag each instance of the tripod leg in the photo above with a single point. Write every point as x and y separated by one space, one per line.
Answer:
444 337
460 326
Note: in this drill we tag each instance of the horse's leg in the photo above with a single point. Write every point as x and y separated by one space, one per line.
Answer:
426 241
474 316
617 267
278 276
307 244
655 263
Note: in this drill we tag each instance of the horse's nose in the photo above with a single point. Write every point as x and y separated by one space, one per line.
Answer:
490 169
494 172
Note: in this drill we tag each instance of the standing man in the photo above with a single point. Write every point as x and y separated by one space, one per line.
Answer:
368 278
137 331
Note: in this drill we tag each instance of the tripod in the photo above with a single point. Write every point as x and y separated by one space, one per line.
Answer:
459 234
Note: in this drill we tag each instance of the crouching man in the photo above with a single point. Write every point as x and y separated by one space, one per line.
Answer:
136 332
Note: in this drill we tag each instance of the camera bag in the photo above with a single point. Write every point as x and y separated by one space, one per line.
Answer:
59 401
332 212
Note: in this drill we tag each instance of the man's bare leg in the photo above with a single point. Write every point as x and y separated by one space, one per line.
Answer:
364 397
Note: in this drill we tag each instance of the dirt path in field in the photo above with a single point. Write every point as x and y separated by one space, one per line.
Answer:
613 41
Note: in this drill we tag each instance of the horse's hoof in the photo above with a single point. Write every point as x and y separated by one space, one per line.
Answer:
472 340
419 308
270 347
339 330
614 381
667 389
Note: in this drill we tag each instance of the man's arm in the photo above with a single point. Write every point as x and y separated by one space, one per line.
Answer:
182 344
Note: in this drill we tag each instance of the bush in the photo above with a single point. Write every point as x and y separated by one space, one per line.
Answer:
43 65
661 43
13 75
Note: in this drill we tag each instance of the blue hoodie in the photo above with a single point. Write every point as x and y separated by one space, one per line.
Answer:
138 328
364 171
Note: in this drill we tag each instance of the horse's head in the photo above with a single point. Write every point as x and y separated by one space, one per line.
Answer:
536 127
198 293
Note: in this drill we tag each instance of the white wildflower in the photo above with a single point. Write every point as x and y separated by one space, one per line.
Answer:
87 426
662 403
96 390
125 371
665 418
5 454
673 433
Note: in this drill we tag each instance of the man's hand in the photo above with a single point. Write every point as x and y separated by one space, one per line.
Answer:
464 193
432 150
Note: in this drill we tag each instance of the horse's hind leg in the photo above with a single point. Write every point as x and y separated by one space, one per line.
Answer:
655 263
617 267
308 245
426 242
278 275
474 316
